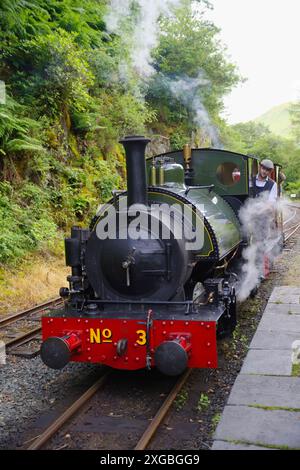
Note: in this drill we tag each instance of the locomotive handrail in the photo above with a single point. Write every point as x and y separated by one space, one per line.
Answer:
210 188
115 193
138 302
189 304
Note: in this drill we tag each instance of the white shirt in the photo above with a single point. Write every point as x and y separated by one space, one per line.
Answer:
261 184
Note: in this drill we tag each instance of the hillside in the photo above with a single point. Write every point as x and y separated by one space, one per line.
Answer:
277 119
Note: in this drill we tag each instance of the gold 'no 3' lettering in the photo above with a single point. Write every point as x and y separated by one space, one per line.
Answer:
99 336
142 337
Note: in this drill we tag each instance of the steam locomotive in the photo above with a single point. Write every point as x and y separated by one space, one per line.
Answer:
150 284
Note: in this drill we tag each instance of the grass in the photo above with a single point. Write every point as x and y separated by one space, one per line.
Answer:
37 279
296 370
274 408
181 399
215 421
263 444
203 402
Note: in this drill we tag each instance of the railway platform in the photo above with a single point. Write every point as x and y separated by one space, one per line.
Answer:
263 409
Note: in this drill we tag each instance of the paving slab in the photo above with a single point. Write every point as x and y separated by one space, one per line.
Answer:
286 295
263 409
280 322
260 427
282 392
267 362
285 309
285 299
265 339
224 445
293 290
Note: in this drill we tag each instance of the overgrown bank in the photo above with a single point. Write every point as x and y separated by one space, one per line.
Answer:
72 90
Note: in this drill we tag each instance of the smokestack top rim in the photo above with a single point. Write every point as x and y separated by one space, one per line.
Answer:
135 138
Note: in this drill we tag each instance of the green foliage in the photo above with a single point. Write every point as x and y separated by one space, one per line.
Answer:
203 402
251 133
25 224
215 421
296 370
295 118
106 180
256 139
181 399
294 188
178 138
57 75
190 48
17 130
278 120
121 114
68 106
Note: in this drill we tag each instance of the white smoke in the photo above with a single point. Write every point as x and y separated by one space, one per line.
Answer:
145 35
257 218
137 24
188 91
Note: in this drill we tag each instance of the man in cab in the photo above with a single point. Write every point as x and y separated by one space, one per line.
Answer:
262 182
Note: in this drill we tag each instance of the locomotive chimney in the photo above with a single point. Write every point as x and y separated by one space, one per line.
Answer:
135 147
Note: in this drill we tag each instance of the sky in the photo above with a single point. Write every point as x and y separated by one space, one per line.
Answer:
263 39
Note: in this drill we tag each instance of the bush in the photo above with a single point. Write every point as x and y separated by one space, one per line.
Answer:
57 73
293 188
25 222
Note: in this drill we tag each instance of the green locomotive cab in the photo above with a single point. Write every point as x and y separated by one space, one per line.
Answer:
228 173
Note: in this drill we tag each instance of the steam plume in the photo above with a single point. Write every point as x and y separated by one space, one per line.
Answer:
144 36
257 219
137 23
187 91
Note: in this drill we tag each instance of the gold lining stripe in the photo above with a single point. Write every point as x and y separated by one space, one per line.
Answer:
203 223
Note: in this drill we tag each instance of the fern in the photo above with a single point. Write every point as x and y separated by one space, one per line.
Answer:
29 145
16 130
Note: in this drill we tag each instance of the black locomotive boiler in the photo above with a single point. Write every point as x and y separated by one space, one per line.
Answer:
140 298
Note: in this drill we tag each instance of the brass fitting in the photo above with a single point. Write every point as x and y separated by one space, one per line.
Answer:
153 174
187 155
161 175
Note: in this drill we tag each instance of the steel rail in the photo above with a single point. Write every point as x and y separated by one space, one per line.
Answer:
16 316
42 439
291 218
292 233
24 338
64 417
290 228
160 415
293 205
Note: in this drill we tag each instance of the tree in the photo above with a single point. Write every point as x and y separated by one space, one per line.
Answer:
251 132
295 118
256 139
190 50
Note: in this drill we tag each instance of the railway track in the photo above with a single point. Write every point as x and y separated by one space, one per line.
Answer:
290 230
163 410
25 313
84 401
294 205
20 328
